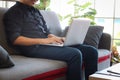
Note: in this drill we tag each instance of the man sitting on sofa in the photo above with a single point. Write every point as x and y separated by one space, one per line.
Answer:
27 31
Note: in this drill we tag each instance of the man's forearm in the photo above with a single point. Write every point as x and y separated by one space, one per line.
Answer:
21 40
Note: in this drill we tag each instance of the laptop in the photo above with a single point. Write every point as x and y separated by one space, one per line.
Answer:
76 32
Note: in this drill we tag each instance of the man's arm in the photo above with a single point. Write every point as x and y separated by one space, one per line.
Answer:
21 40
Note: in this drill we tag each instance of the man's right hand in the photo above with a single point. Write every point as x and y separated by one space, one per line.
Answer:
55 40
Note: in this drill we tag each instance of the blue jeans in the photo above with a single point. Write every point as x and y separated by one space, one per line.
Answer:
73 56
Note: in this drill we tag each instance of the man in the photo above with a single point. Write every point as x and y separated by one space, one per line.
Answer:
27 30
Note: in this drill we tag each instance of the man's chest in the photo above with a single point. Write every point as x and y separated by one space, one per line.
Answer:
33 18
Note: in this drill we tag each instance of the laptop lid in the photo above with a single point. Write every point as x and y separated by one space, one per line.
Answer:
77 31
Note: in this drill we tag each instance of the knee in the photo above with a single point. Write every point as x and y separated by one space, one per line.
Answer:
76 52
92 51
75 55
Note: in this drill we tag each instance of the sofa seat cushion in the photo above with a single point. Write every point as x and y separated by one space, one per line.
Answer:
104 57
32 69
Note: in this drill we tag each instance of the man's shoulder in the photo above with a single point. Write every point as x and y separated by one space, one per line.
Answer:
14 10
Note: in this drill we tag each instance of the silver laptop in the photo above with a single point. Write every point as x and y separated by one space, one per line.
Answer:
76 32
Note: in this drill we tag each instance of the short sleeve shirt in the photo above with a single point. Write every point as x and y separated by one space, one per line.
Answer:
24 20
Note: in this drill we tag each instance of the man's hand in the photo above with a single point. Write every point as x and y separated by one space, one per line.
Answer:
54 39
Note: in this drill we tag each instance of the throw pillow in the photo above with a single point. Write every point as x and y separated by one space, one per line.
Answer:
93 35
5 60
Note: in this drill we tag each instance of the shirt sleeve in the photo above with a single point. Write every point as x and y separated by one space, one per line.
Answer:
13 25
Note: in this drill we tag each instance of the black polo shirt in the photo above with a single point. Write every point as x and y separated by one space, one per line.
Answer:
24 20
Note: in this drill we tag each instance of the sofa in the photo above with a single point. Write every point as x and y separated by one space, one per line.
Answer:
27 68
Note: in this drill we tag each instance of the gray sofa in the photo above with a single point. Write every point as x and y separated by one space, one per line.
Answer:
43 69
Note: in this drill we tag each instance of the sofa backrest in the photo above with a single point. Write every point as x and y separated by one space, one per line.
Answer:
50 17
52 22
3 41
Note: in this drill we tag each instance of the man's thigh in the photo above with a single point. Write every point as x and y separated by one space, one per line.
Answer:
54 52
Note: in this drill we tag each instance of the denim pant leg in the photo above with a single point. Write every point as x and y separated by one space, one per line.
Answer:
71 56
90 58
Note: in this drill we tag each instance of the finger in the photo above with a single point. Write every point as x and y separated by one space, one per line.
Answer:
63 39
59 41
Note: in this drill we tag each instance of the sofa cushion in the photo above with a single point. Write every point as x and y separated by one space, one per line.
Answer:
30 68
5 59
93 36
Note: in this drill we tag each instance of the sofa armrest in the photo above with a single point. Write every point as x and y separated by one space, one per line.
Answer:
105 41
